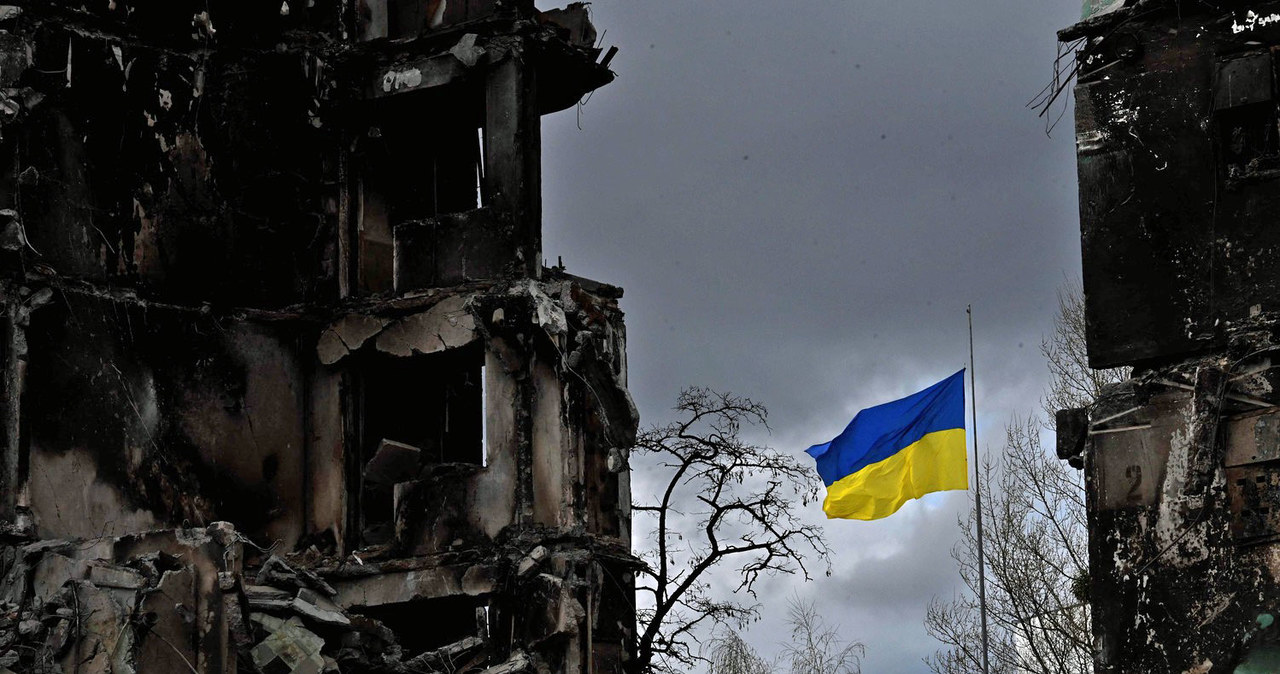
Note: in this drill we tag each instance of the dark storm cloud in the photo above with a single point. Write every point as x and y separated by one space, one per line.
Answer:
800 199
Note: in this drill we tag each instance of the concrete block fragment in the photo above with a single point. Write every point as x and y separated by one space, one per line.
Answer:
518 663
291 649
277 572
103 629
58 637
575 21
105 574
318 615
269 604
446 657
263 654
394 587
447 325
552 609
466 50
393 462
40 547
223 533
266 592
330 349
13 577
52 571
346 335
316 599
168 644
313 664
268 622
531 561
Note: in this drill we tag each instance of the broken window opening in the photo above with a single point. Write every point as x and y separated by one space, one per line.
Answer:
1245 113
421 157
407 19
1249 139
429 624
416 412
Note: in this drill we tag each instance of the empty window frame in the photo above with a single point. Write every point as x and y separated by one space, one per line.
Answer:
421 156
414 412
1245 114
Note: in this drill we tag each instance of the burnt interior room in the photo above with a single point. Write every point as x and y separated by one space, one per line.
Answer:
421 156
414 412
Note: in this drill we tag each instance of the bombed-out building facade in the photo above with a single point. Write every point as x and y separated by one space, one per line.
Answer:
284 382
1179 180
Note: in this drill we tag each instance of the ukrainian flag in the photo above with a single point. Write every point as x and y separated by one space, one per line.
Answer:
895 452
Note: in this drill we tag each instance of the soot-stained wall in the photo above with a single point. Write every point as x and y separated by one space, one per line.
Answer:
1179 166
282 374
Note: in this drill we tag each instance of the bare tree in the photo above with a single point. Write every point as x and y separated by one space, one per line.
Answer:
1036 536
725 504
1072 383
817 647
731 655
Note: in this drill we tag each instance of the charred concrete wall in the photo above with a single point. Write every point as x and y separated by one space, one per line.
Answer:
286 387
1176 122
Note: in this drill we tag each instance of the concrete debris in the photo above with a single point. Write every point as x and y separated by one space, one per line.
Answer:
575 21
290 649
104 574
347 335
531 561
447 325
451 657
518 663
13 531
393 462
276 571
467 51
318 615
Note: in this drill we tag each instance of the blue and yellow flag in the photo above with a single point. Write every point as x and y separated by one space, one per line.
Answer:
895 452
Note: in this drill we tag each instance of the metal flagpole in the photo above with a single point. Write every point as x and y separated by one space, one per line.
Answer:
977 491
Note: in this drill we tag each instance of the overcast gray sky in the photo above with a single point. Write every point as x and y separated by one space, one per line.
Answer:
800 198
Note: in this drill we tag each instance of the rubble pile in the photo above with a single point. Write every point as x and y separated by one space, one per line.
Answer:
183 601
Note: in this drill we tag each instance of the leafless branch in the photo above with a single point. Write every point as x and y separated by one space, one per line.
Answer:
740 507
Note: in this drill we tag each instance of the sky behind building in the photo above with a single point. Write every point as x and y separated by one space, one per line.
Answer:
800 199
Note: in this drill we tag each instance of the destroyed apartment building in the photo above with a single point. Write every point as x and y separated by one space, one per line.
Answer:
286 386
1176 112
